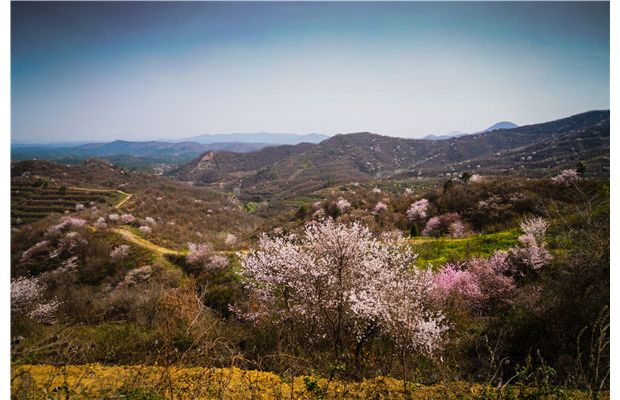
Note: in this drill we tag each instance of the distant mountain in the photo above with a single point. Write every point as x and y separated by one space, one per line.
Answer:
285 171
262 137
455 134
181 150
151 156
501 125
446 136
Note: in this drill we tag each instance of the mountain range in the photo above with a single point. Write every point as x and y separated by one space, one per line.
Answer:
145 153
279 171
260 138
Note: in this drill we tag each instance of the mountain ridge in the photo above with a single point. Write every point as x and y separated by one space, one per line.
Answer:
364 156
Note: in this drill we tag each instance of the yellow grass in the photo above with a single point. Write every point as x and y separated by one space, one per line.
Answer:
152 382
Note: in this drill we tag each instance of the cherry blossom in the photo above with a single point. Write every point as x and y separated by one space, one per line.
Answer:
230 240
127 218
203 255
342 280
145 229
566 177
379 207
26 299
66 223
418 210
343 205
119 252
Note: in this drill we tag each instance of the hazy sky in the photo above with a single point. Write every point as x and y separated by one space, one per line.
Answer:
99 71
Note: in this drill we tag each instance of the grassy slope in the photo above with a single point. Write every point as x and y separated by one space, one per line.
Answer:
438 251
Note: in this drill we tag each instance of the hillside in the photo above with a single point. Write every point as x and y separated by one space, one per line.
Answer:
284 171
184 213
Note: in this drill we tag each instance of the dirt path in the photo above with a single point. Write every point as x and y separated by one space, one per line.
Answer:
137 240
133 238
126 197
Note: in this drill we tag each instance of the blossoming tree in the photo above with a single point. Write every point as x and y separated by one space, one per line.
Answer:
338 283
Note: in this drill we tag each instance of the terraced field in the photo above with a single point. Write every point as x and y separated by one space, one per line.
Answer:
31 203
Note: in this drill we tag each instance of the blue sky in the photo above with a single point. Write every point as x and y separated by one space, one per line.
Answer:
102 71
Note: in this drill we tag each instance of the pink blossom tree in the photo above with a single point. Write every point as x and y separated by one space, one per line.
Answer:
66 223
204 257
145 229
100 223
433 227
444 224
566 177
533 250
477 284
418 211
120 252
127 219
68 244
379 207
343 205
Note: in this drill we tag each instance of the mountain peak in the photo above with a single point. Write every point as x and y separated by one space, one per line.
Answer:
501 125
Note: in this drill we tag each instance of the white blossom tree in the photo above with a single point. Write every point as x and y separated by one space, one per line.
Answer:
27 299
339 283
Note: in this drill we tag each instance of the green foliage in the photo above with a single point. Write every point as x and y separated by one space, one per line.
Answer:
465 176
438 251
250 206
581 168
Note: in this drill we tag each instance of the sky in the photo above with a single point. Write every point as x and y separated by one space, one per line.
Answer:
163 70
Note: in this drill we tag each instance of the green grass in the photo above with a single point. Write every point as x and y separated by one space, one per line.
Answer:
250 206
438 251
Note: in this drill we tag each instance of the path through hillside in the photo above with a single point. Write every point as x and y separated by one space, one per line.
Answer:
126 196
142 242
135 239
